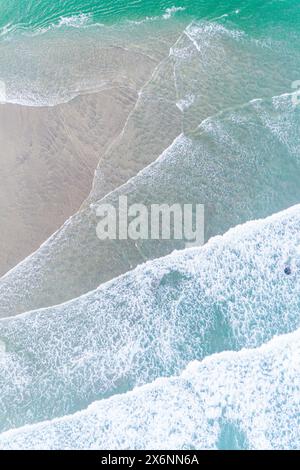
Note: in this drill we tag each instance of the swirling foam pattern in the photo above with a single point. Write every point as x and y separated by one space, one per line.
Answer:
197 349
241 164
231 293
232 400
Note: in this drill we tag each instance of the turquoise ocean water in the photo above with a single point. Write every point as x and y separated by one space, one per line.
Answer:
42 13
184 349
256 14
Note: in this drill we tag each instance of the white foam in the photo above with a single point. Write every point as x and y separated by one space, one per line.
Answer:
218 168
245 400
81 47
169 12
231 293
75 21
2 347
185 102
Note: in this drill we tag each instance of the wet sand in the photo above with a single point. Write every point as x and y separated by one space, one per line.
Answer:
49 154
47 160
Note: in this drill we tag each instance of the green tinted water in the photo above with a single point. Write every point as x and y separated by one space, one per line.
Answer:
246 13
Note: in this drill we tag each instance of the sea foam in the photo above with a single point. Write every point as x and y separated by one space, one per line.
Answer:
232 400
230 294
241 164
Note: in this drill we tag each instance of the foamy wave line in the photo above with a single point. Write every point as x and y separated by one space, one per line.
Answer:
168 14
74 21
83 20
228 400
230 294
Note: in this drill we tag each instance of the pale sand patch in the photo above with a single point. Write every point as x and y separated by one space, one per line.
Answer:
48 155
199 170
149 127
151 123
47 160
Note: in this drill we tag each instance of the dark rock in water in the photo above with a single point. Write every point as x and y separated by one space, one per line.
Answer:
287 270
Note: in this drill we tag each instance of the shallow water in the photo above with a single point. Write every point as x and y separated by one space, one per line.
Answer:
211 118
151 322
214 404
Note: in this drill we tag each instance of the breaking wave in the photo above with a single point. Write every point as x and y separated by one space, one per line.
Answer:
230 294
232 400
144 343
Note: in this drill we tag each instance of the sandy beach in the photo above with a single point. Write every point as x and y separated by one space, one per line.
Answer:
48 158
